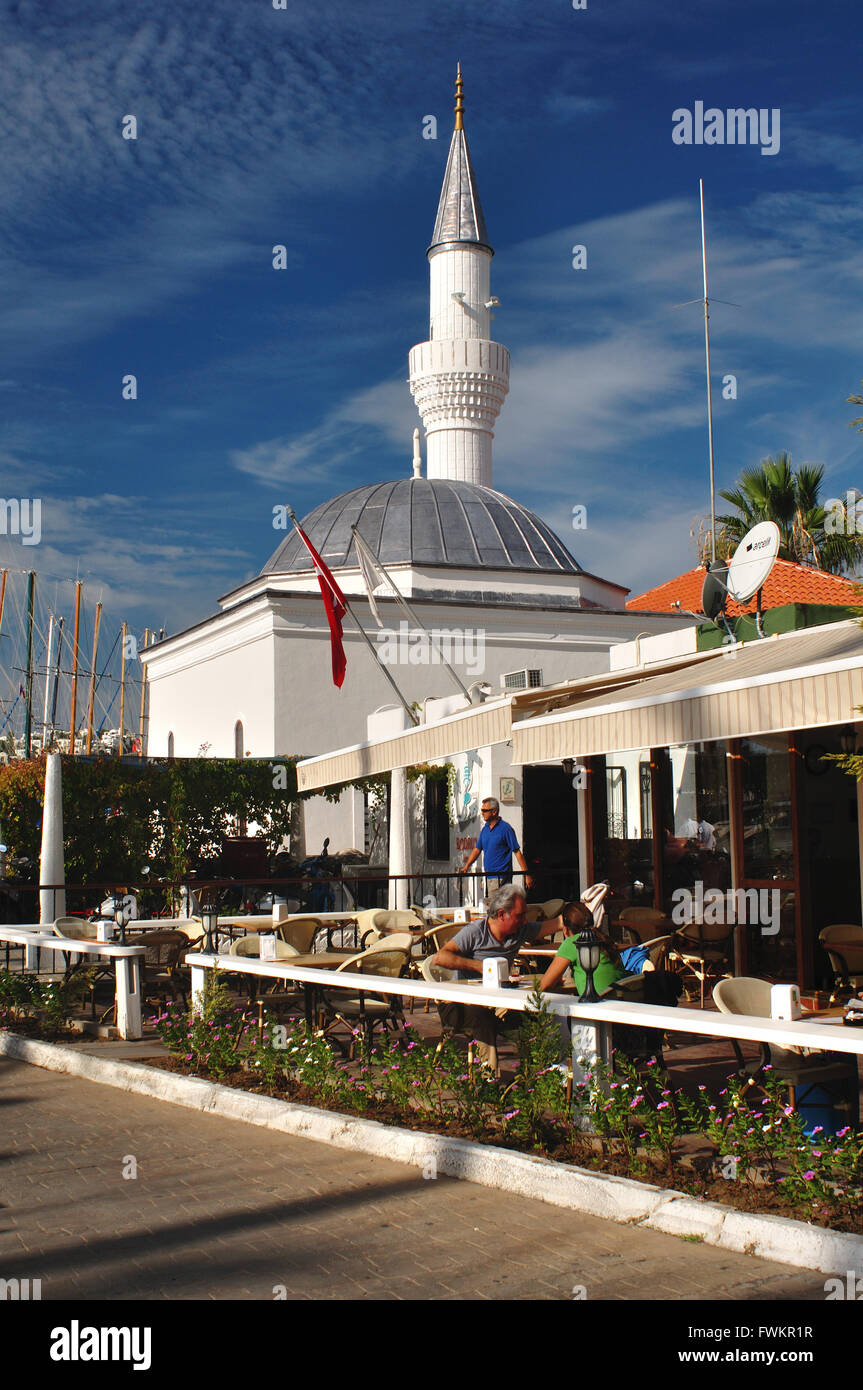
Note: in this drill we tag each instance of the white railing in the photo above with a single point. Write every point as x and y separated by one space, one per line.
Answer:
591 1023
127 967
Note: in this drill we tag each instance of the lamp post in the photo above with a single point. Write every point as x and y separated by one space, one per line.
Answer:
210 918
589 949
120 917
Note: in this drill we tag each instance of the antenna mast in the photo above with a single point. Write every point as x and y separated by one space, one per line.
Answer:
709 391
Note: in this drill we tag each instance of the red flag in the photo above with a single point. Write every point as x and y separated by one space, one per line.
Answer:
336 606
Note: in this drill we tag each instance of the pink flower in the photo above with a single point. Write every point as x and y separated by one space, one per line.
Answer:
508 1115
840 1133
808 1176
663 1105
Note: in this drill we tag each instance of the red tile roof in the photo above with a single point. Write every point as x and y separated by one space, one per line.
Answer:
787 583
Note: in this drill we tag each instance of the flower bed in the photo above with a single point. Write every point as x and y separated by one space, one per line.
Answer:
745 1150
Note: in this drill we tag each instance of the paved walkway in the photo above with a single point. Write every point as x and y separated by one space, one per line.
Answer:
222 1210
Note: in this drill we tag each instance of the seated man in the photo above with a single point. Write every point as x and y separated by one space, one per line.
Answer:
502 932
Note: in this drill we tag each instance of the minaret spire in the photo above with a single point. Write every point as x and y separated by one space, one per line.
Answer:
459 378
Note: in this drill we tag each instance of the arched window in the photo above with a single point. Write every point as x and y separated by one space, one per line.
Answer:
239 740
170 745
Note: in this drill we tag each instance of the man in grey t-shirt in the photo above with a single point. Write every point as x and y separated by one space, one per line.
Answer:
501 933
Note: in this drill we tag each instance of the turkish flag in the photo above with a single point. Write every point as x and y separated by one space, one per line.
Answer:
336 605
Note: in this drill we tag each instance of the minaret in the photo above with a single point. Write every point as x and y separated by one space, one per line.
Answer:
459 377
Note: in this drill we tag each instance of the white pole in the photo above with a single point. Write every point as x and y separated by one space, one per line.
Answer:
399 840
52 902
127 970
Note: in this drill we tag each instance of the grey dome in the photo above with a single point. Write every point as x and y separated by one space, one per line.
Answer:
427 521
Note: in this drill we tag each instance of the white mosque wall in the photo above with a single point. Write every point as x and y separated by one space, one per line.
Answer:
268 665
212 678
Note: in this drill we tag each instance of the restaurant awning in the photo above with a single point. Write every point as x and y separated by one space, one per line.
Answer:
795 681
470 728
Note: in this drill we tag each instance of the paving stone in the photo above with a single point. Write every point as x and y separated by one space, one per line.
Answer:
222 1210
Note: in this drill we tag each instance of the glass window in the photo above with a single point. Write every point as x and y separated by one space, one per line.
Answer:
768 850
696 840
622 843
239 740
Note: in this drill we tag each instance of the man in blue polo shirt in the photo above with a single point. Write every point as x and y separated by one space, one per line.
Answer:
497 843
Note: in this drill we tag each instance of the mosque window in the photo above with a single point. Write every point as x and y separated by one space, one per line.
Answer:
239 740
170 745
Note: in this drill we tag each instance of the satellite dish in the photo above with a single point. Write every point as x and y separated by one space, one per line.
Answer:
753 560
714 590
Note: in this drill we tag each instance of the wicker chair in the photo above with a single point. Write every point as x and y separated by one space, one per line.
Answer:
843 944
162 973
380 921
703 952
363 1012
639 923
833 1072
299 932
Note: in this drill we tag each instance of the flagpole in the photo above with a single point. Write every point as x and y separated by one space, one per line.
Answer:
358 541
341 598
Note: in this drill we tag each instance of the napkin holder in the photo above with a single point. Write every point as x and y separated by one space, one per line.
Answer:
268 947
785 1003
495 972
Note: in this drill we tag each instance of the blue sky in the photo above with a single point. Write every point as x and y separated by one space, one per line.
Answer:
304 126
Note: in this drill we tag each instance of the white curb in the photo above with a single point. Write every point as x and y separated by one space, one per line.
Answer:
597 1194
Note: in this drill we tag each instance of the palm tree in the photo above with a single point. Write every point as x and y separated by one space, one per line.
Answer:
808 533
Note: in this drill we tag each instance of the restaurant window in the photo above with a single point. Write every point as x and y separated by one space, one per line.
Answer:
646 801
615 778
436 819
622 847
768 855
696 831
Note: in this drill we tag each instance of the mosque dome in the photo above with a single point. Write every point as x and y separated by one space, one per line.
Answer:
427 521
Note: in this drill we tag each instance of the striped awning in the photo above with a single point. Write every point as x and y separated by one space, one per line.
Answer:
471 728
795 681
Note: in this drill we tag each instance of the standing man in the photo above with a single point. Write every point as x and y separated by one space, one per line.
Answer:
497 843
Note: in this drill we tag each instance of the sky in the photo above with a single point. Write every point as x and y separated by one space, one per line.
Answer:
304 127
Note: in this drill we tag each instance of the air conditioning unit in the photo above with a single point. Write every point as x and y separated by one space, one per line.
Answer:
527 679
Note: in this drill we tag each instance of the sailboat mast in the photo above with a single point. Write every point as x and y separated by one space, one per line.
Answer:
74 703
89 743
48 656
28 690
709 389
122 687
56 677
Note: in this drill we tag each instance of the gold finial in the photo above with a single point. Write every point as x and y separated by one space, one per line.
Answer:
459 100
